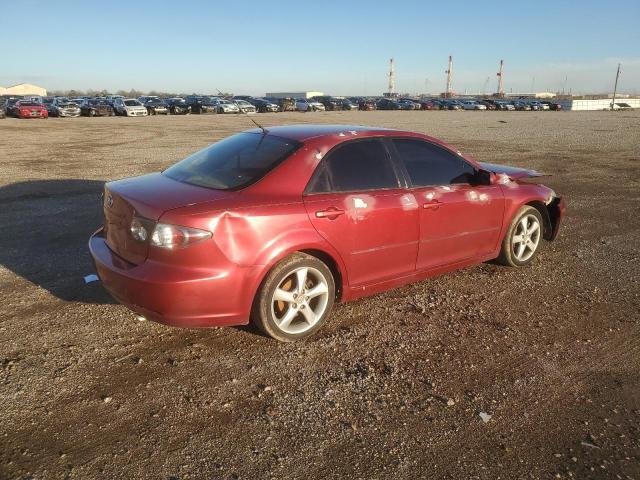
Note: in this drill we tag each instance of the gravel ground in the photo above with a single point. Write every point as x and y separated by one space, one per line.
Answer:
487 373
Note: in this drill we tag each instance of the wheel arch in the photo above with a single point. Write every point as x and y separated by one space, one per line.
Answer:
325 255
332 264
547 230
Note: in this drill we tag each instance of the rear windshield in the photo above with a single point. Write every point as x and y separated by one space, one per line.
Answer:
234 162
131 103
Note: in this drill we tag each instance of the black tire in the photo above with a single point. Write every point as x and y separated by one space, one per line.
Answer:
508 255
264 304
92 113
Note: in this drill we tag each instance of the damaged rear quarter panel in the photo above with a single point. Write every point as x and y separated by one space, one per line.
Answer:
257 235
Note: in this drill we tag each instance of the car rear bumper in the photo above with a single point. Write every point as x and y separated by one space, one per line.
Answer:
173 295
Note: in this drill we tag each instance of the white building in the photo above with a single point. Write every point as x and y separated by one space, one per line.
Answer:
599 104
24 89
294 94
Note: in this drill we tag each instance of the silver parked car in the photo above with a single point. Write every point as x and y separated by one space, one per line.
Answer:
225 106
245 106
63 107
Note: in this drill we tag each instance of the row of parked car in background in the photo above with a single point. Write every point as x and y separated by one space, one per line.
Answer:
111 105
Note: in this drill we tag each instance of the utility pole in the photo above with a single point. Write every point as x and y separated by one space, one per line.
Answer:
449 73
615 89
500 85
392 78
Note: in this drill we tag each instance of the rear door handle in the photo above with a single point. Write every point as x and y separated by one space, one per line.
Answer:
331 213
432 204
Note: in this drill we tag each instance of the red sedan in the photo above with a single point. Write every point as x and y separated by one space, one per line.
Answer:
276 225
28 109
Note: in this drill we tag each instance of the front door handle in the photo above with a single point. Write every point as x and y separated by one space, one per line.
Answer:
331 213
432 204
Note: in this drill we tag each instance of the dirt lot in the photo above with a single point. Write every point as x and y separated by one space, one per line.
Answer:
392 387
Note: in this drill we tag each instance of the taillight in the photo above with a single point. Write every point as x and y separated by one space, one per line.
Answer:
174 236
138 230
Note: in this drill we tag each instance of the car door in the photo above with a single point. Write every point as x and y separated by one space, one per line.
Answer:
356 202
459 217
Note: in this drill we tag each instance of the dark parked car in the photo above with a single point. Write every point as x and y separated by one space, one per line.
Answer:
366 104
452 104
95 107
387 104
260 227
284 104
522 106
502 104
408 104
201 104
348 104
552 105
263 105
426 104
10 106
154 105
488 104
177 106
329 103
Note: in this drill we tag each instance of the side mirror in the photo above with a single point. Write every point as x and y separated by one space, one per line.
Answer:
482 177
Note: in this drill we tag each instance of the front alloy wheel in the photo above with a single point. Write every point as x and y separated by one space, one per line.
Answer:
295 298
526 238
522 240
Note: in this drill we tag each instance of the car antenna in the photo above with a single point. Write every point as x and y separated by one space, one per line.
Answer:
264 130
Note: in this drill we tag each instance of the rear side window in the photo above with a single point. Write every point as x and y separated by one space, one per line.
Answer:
355 166
234 162
428 164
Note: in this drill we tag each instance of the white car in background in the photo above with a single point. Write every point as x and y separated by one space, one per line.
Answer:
472 105
129 107
306 105
245 106
225 106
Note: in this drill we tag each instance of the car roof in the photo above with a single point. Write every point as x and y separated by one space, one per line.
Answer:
306 132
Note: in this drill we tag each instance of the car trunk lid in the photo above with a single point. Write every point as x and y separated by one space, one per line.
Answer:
148 197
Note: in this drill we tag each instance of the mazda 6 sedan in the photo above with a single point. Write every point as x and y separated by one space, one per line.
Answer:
275 225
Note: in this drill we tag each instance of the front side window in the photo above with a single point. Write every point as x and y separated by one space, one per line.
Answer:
355 166
428 164
234 162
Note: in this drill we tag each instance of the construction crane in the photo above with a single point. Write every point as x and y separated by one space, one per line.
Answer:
500 75
486 84
449 73
392 77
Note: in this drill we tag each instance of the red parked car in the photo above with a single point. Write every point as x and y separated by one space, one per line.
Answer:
29 109
277 225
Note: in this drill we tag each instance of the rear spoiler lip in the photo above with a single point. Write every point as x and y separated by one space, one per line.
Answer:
514 173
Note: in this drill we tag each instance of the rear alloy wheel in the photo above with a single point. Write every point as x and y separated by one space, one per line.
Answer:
295 298
523 238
